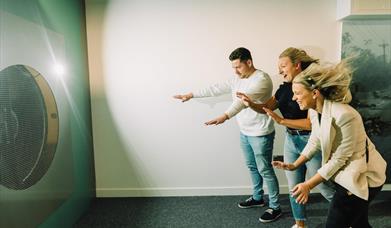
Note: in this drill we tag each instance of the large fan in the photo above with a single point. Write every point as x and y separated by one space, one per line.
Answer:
28 127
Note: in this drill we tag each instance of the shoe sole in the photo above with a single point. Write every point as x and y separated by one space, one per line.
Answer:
260 205
266 221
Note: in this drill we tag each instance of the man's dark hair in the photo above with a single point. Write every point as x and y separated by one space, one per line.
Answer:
241 53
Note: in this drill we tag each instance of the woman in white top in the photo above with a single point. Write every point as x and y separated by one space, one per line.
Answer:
349 158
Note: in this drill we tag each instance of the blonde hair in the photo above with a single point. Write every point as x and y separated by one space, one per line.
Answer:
298 56
332 81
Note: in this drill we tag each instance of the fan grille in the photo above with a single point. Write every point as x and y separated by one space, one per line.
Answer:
25 155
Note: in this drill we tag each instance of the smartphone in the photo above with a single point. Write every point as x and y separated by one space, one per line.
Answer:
278 158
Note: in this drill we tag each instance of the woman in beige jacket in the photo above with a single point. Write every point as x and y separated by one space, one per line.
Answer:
349 158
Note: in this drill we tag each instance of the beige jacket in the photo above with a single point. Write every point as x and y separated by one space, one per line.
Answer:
342 139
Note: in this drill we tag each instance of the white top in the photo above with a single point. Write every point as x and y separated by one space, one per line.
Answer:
258 86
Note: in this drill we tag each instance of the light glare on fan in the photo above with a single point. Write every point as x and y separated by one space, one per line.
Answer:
59 69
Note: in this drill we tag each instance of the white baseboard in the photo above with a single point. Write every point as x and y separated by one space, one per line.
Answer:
187 191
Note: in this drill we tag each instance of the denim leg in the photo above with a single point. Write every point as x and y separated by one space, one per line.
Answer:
263 151
251 164
292 148
312 167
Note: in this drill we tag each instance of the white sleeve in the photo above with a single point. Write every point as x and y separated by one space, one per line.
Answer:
214 90
260 91
313 145
345 148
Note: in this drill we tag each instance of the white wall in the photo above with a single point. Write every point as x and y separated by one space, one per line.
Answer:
141 52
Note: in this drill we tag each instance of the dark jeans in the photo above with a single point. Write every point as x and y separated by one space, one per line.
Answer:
348 210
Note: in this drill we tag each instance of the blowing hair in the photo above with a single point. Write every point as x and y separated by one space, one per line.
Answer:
332 81
298 56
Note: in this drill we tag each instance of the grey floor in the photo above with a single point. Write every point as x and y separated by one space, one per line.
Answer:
210 211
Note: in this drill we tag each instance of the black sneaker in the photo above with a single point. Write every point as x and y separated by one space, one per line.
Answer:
250 202
270 215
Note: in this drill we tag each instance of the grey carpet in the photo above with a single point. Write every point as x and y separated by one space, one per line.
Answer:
210 211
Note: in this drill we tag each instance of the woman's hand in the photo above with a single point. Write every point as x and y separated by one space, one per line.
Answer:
301 192
282 165
278 119
245 99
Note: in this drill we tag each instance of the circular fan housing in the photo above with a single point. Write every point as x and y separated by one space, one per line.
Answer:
28 127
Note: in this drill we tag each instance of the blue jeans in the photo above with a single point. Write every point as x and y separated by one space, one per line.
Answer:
293 146
258 152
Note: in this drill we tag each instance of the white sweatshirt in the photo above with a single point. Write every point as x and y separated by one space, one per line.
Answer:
258 86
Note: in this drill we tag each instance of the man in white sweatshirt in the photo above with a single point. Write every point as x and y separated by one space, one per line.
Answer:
256 130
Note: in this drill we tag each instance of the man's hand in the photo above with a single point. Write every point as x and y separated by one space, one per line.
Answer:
282 165
273 115
184 97
301 192
219 120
